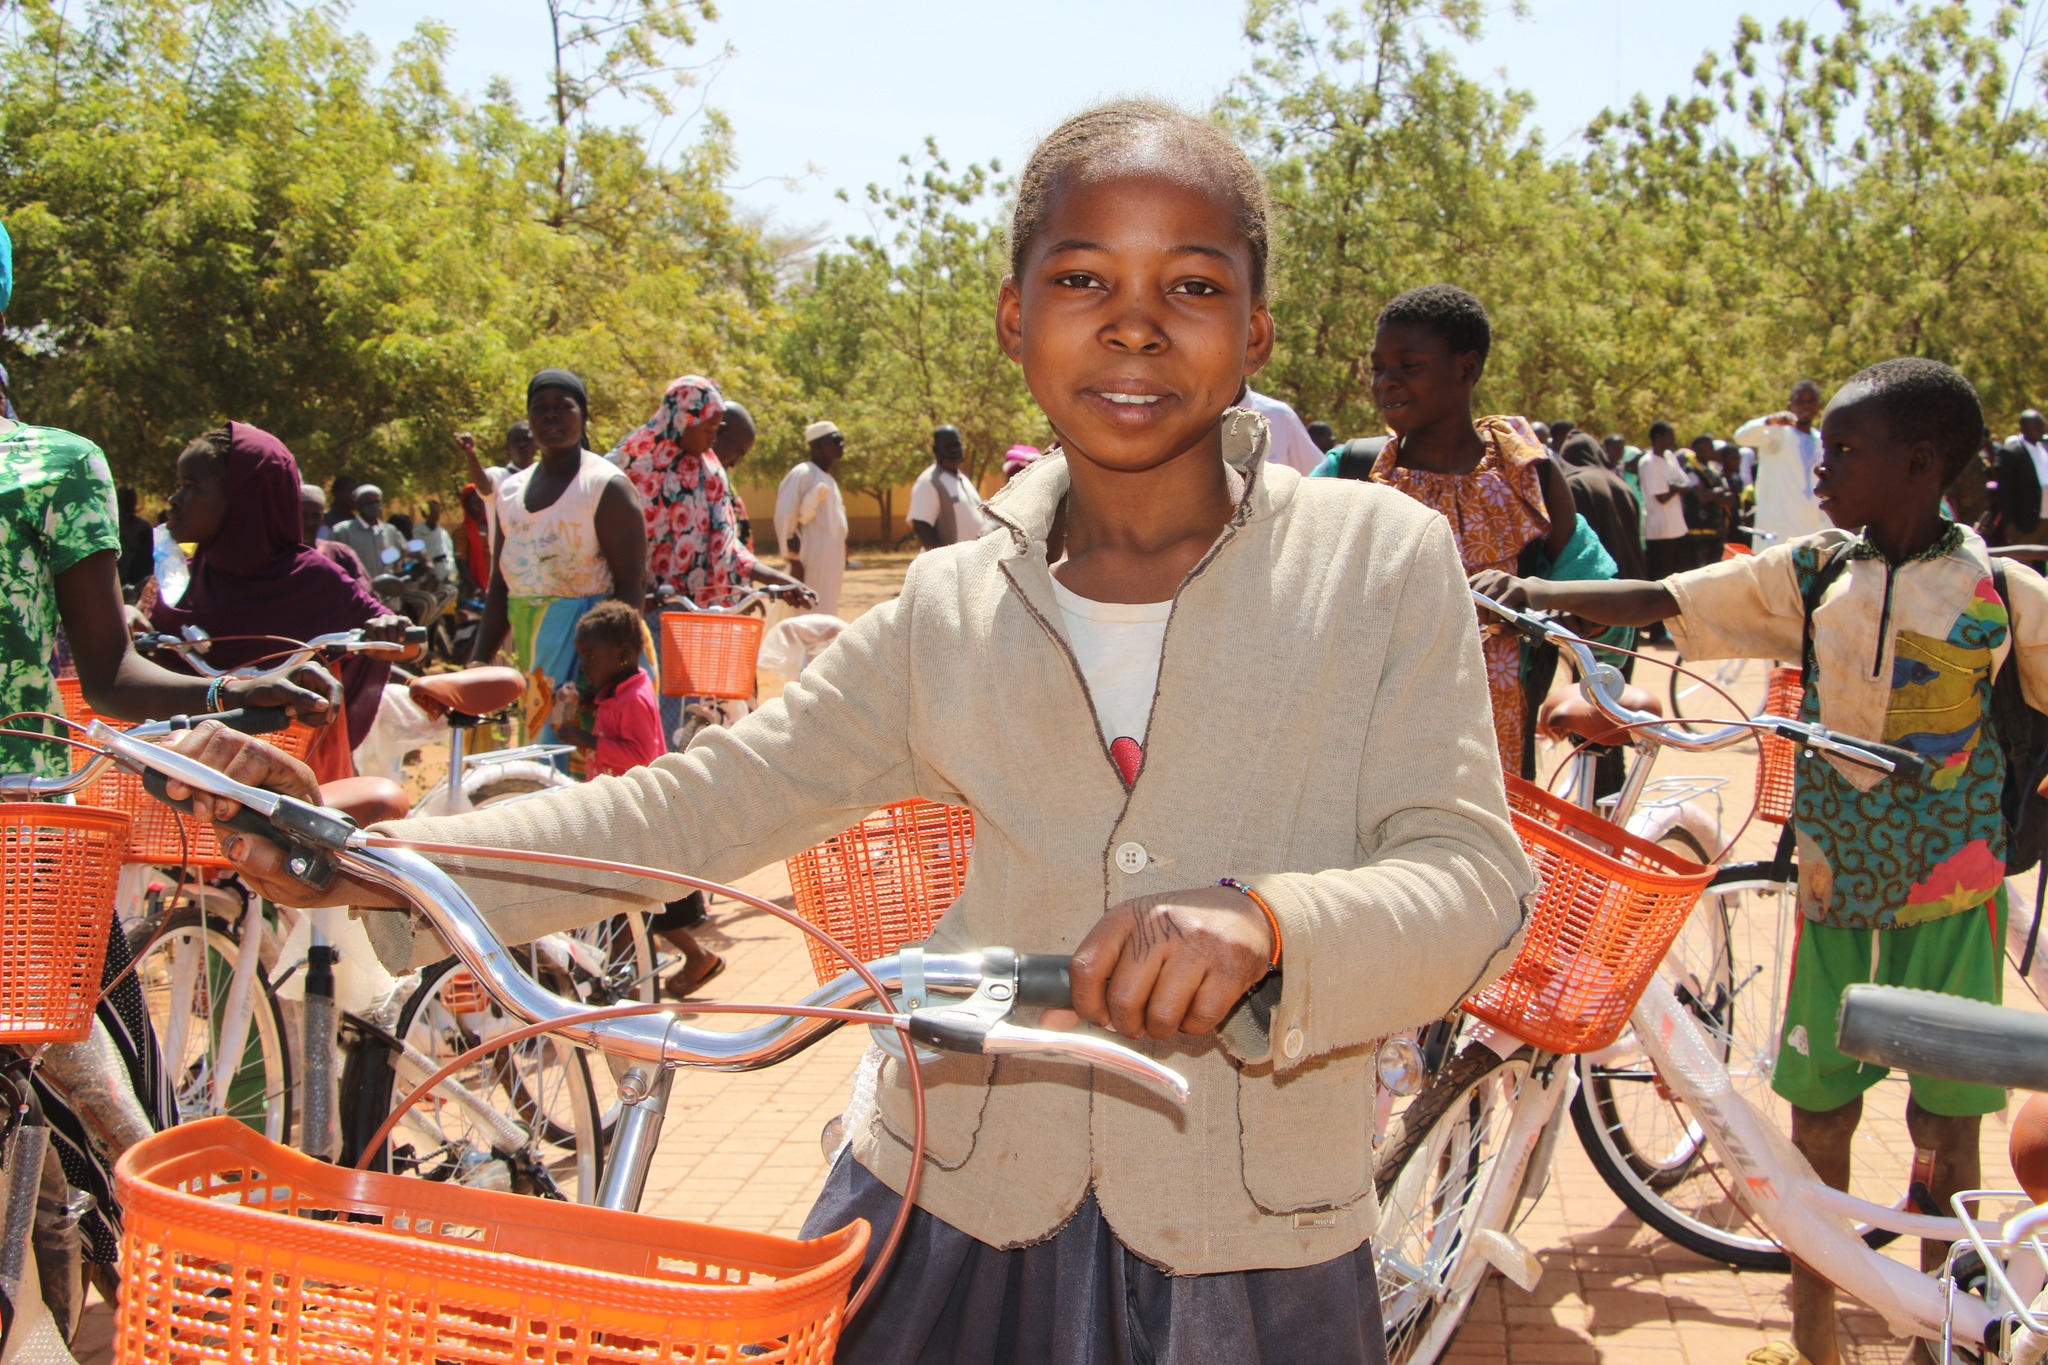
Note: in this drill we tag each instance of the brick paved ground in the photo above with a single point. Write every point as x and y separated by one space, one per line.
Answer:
743 1151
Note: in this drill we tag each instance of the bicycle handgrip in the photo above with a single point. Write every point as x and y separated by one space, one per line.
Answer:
314 868
1045 979
415 635
254 720
1931 1034
1905 763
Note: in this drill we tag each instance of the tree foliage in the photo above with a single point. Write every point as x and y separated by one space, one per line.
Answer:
1820 198
224 217
896 335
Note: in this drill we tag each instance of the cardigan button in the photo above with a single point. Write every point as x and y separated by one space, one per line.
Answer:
1290 1046
1132 858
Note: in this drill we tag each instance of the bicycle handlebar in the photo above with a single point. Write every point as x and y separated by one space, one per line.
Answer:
1602 684
995 980
251 720
333 645
1931 1034
665 596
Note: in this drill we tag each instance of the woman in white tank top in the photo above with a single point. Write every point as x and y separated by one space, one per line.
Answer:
570 535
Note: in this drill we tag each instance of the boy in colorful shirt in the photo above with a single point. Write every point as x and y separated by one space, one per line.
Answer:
1900 880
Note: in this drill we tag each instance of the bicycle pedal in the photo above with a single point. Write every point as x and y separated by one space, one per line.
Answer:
1510 1257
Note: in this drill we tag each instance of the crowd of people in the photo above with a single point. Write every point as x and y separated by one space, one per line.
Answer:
1262 892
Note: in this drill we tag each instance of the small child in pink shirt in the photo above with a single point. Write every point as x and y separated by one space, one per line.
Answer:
626 732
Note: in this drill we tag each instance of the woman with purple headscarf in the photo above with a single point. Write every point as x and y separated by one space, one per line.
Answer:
254 574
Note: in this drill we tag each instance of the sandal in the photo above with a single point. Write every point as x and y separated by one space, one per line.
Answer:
1777 1353
676 989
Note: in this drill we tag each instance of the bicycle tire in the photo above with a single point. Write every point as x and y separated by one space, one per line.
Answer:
191 1071
1693 702
1680 1202
561 1116
1429 1178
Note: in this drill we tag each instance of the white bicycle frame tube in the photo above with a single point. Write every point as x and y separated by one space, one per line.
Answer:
1534 1113
235 1018
1780 1190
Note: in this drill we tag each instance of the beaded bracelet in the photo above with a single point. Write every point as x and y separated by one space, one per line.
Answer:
213 691
1273 921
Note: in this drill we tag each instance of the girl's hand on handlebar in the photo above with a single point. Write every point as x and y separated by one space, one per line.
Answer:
1503 588
1172 963
308 692
253 763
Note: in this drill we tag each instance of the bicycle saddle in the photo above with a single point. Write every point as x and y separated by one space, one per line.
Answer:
1571 713
473 691
366 800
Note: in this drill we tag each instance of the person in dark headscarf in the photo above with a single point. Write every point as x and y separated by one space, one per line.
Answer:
1606 502
254 574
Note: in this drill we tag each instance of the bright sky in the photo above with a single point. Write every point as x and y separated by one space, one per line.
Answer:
829 93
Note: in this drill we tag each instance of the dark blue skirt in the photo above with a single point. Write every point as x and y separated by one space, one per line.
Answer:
1081 1298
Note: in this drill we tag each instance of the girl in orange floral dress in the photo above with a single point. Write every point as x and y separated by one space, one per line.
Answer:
1490 477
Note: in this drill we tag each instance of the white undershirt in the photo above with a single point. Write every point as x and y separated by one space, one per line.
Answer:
1117 645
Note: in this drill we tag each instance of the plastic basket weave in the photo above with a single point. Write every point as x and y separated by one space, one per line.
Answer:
58 868
1735 550
884 882
161 837
709 654
1775 757
1609 907
236 1249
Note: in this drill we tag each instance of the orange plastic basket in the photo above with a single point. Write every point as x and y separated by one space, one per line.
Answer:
884 882
1735 550
58 867
236 1249
709 654
1775 757
161 837
1609 907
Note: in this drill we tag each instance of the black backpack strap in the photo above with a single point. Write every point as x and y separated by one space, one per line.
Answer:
1357 460
1824 575
2027 794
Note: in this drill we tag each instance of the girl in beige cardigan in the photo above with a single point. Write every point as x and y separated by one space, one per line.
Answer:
1226 738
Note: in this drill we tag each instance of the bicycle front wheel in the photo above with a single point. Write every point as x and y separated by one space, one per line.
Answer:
526 1114
1695 704
186 975
1431 1178
1729 968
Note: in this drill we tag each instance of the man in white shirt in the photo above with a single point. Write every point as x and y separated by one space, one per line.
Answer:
439 553
1787 450
1291 444
2019 483
810 517
945 506
1664 479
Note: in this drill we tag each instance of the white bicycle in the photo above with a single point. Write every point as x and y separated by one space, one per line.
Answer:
1473 1147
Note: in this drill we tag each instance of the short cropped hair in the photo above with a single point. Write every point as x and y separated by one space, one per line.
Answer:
1664 427
1098 138
1925 400
610 622
1452 313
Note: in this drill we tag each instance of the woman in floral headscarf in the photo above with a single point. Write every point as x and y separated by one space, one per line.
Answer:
693 543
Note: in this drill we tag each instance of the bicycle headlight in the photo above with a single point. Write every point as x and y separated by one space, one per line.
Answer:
1402 1069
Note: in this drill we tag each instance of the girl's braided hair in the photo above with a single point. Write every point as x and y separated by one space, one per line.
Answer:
1099 139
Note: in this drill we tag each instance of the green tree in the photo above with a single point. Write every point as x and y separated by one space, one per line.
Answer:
221 217
895 337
